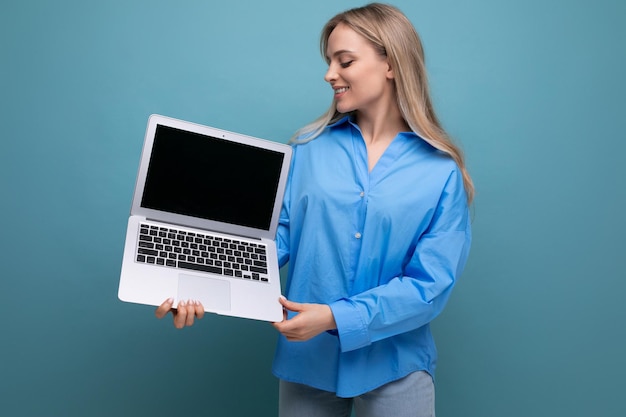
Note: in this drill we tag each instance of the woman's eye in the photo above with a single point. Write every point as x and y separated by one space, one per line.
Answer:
346 64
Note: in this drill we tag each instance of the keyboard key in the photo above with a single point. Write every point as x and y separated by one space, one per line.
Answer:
144 251
196 267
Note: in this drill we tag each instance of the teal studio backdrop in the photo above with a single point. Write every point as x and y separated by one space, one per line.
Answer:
533 90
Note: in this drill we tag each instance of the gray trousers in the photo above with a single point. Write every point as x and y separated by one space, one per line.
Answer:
411 396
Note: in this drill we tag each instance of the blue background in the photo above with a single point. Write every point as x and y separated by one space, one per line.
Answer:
532 90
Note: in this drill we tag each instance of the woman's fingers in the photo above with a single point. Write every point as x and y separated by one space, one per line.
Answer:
290 305
164 308
311 320
180 315
199 309
184 313
191 312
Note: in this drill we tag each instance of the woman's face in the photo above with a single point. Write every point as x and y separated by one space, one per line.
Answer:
361 78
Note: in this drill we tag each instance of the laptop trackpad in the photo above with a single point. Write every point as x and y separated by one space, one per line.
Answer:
214 294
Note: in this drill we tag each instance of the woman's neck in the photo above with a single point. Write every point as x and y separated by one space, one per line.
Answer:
382 125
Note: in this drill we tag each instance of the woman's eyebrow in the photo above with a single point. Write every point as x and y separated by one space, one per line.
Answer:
340 52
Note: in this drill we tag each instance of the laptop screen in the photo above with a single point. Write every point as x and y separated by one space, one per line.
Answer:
211 178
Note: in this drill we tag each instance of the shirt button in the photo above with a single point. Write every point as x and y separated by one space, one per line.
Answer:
357 235
362 194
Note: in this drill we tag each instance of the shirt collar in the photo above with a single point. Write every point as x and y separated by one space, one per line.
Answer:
349 118
343 120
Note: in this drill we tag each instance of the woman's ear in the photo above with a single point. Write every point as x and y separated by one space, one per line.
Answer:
390 74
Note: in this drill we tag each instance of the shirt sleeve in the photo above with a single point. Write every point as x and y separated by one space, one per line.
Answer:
282 232
415 298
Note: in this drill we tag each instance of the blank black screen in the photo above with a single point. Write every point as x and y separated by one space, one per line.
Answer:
211 178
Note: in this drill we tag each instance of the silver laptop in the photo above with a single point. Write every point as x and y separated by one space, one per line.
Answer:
203 220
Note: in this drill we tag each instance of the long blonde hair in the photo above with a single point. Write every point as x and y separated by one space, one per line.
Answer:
392 35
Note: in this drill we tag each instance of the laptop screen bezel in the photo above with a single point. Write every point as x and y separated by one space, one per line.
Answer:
194 222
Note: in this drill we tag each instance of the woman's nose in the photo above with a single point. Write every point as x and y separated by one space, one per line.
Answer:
331 74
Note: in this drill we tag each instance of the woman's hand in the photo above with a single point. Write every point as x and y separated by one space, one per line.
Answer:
184 314
311 320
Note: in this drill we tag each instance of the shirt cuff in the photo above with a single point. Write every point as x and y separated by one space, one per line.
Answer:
351 327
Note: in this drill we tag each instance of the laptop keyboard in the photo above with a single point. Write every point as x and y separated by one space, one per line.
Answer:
174 248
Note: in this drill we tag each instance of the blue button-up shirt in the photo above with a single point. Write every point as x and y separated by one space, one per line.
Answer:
382 248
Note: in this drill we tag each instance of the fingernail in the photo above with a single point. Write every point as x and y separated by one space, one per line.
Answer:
282 297
181 303
170 300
